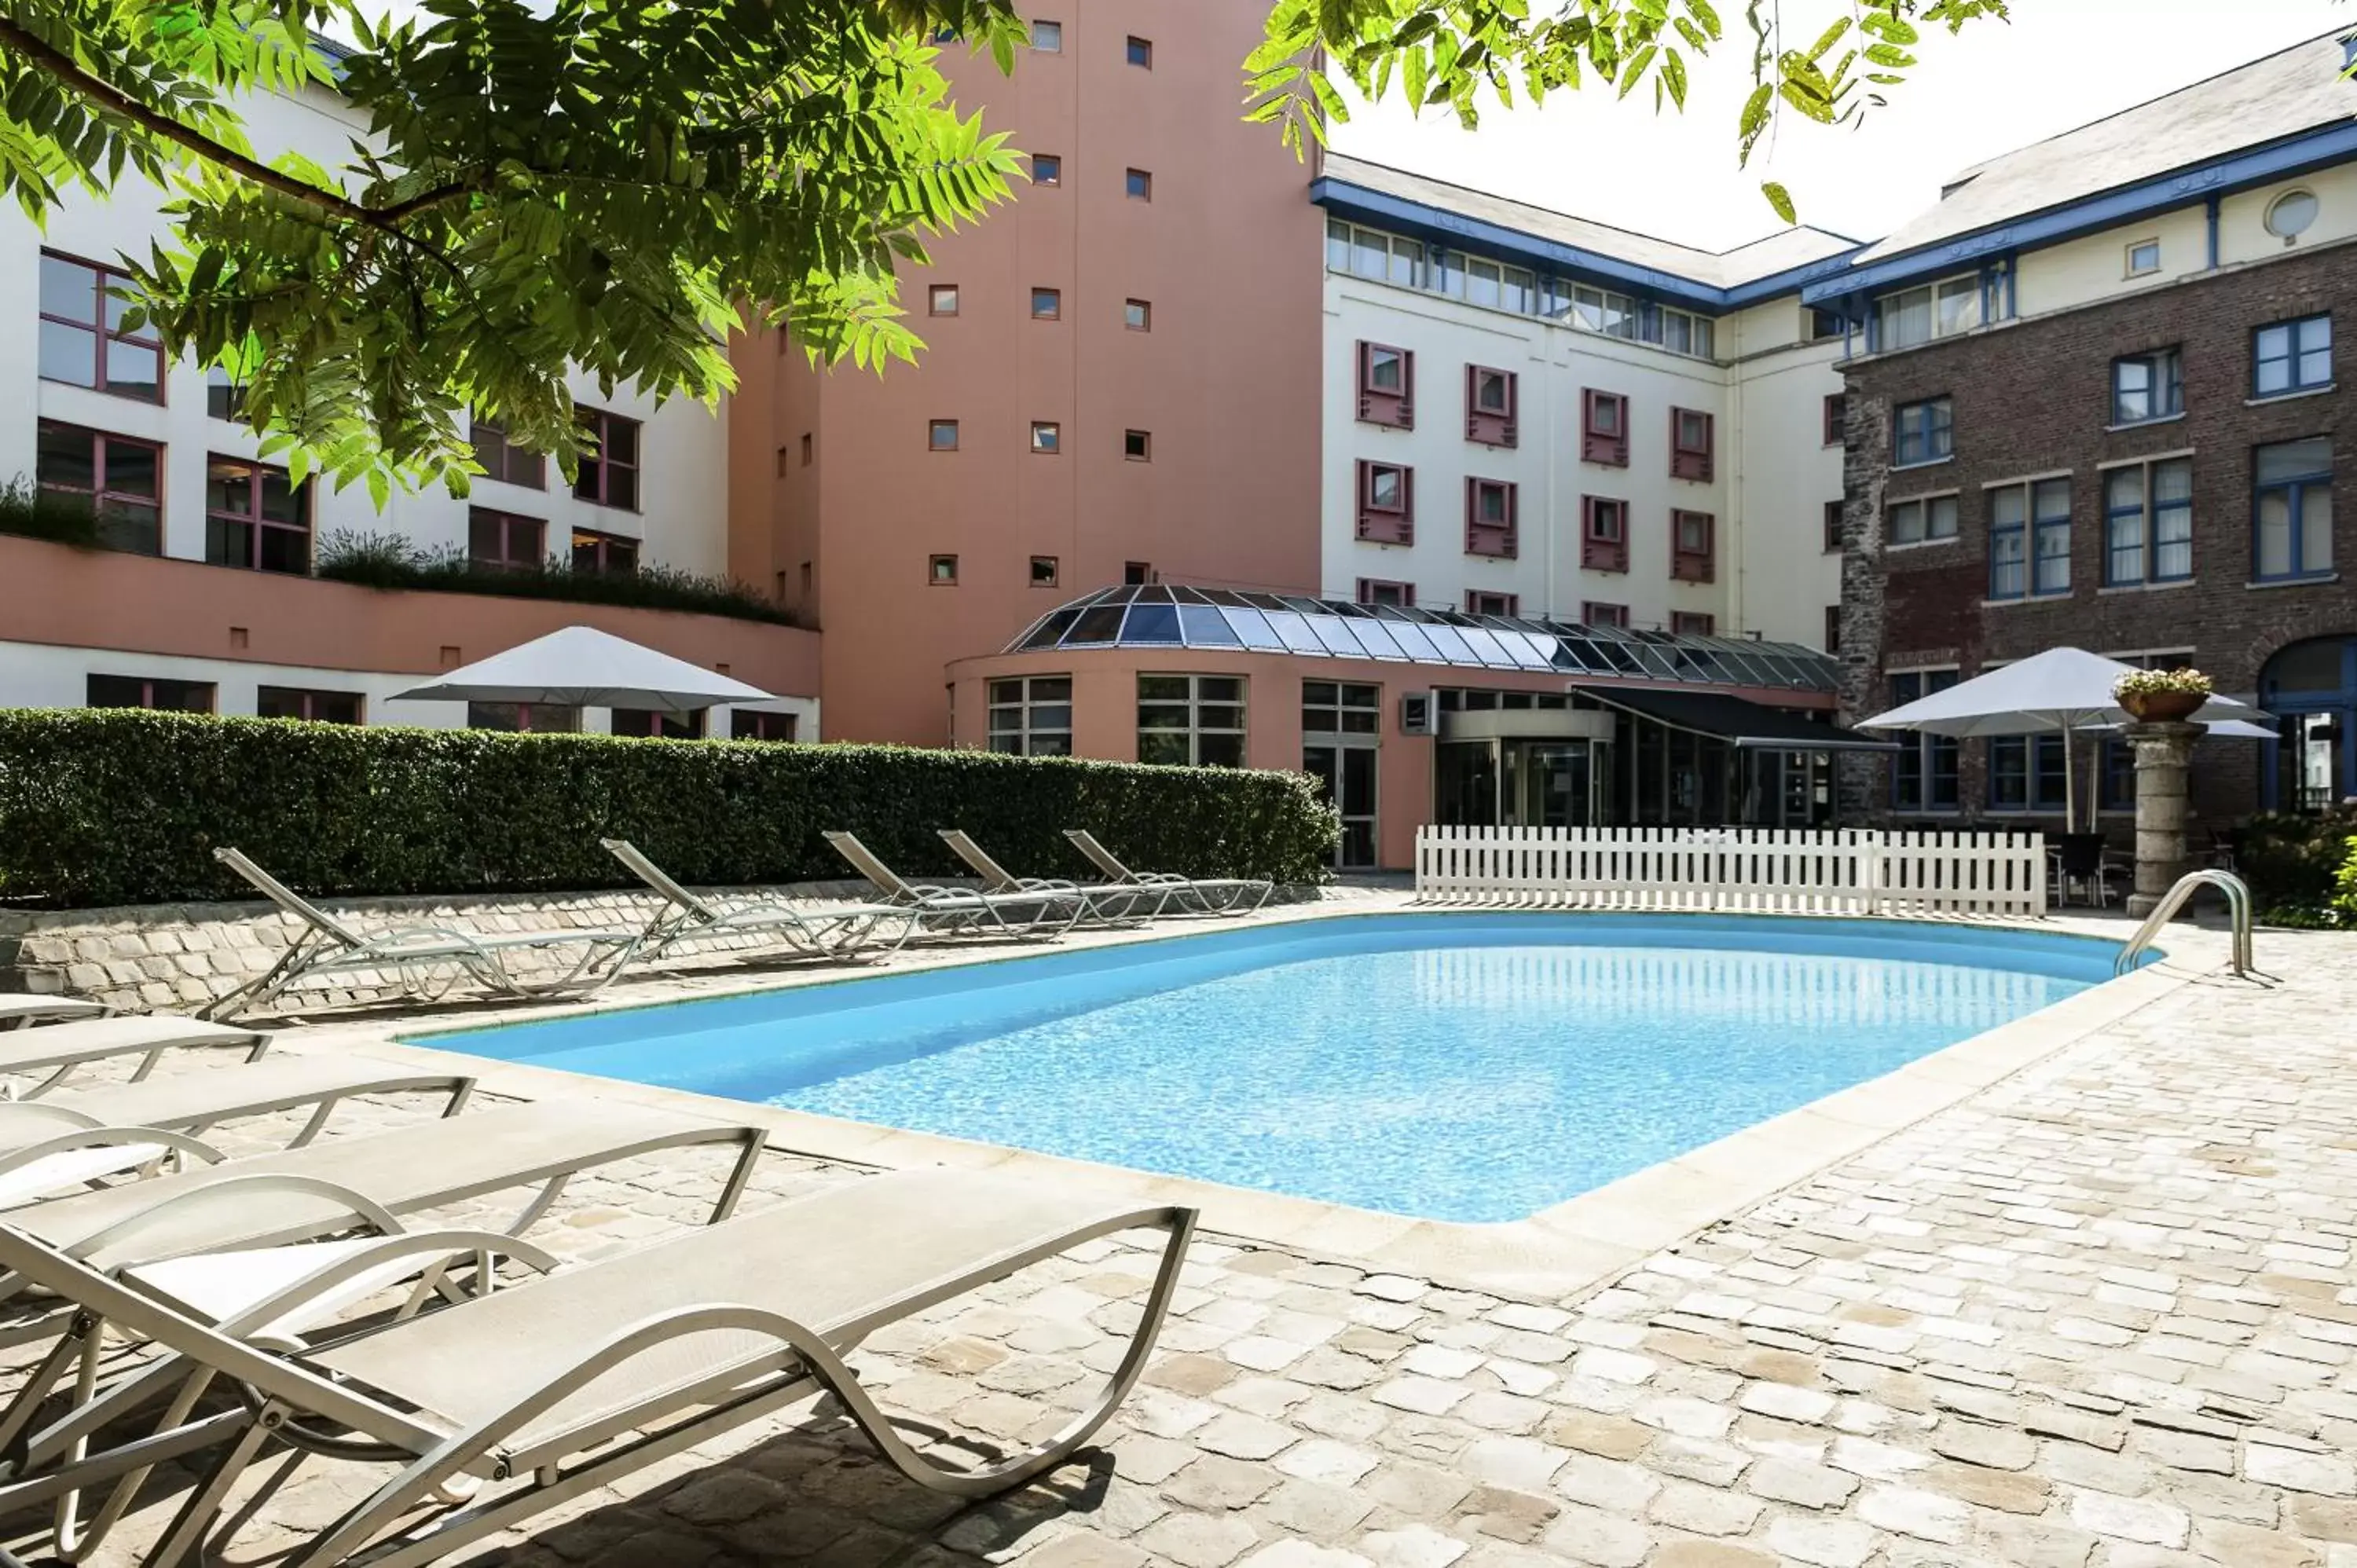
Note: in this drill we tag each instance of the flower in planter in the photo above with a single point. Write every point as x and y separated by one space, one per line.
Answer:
2137 684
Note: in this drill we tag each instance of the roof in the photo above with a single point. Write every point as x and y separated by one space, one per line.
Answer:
1763 258
1159 616
2284 94
1750 726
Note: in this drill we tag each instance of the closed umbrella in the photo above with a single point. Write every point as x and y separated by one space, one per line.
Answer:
581 667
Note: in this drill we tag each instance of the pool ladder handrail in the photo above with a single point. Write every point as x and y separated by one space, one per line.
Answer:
2238 913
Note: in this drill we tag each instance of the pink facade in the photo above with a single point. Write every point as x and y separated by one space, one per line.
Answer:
1186 445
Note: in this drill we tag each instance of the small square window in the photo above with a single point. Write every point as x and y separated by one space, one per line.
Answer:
1138 315
1047 168
1832 527
1594 614
1478 603
1046 436
941 435
1141 53
1135 572
1043 571
1047 304
1137 445
1048 37
1140 185
806 448
785 460
1692 623
942 299
1836 417
2144 256
941 571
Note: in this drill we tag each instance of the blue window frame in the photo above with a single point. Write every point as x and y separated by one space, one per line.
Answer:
2291 511
1926 430
2026 774
2148 523
2146 387
1923 775
2029 539
2290 357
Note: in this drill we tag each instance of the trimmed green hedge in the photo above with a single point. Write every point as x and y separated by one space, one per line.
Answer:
102 807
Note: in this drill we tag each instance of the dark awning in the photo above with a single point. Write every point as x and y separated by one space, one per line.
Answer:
1737 720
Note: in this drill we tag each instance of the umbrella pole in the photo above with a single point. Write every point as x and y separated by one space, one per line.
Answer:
2069 789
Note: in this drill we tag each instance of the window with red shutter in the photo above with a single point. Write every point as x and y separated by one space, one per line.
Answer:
1603 534
1386 386
1386 503
1490 508
1603 428
1594 614
1379 591
1691 546
1489 411
1693 623
1478 603
1690 442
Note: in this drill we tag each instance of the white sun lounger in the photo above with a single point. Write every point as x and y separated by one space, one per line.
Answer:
1106 901
847 931
957 909
17 1011
424 961
62 1047
682 1341
1203 895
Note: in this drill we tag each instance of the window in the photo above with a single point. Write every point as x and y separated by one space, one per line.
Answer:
941 571
1135 572
1681 333
1926 430
1138 315
1047 305
1387 258
1046 437
1923 775
2292 516
1836 410
2026 773
1386 503
2291 356
1340 707
1832 628
1603 534
224 399
759 724
319 707
1832 527
1376 591
1138 184
2029 539
1490 399
604 554
1594 614
2289 215
1196 719
1044 571
1140 52
1048 37
1047 168
2143 257
2147 387
527 718
257 518
1925 522
941 435
141 692
1137 445
2148 523
1690 444
1692 623
1031 716
118 478
806 448
1919 315
1602 310
653 725
942 299
504 460
1490 506
504 538
1386 386
83 339
1818 324
1604 427
1692 546
1478 603
608 474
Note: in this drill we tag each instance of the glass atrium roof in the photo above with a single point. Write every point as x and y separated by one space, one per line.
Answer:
1160 616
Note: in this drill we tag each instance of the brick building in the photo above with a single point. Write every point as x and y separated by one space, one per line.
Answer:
2093 401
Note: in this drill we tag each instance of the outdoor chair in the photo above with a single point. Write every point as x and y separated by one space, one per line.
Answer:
1208 896
850 931
501 1406
1106 901
955 910
423 961
20 1012
2082 863
63 1048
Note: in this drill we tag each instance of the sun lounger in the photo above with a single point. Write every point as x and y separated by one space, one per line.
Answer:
848 931
684 1341
1204 895
18 1012
1106 901
423 961
62 1047
956 909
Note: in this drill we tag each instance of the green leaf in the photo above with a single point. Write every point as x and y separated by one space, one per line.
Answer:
1781 199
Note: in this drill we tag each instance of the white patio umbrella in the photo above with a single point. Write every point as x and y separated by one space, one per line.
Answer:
2061 690
581 667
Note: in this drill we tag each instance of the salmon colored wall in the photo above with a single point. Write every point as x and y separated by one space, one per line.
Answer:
99 598
1228 253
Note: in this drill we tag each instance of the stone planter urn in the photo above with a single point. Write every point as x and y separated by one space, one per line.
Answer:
2162 707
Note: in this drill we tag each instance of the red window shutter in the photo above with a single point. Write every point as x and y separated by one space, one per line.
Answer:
1513 519
1406 530
1598 445
1709 444
1405 418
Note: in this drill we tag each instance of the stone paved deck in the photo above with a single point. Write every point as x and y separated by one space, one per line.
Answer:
2101 1315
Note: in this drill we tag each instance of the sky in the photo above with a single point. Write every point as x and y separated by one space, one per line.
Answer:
1994 87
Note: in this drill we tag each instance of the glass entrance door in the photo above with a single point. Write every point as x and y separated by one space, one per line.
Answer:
1556 784
2312 688
1346 775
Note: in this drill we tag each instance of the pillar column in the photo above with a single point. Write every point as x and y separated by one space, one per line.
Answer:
2164 760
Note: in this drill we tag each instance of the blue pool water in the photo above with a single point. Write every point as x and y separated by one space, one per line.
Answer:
1451 1066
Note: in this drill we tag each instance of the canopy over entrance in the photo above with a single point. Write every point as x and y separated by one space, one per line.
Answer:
1741 722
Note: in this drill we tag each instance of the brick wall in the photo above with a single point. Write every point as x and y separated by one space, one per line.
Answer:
2033 398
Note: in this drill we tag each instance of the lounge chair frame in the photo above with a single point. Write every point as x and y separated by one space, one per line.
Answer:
847 932
65 1047
952 911
1195 895
23 1012
428 960
1109 903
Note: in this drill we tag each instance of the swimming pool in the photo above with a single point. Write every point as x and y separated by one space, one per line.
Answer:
1457 1067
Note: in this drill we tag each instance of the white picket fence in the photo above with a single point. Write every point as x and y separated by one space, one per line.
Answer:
1842 870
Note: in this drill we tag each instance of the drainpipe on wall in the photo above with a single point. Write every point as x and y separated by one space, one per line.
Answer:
2210 208
1733 538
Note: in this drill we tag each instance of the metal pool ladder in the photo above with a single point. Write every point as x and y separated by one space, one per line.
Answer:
2238 911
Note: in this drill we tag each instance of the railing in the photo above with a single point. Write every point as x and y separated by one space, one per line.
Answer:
1804 871
2238 914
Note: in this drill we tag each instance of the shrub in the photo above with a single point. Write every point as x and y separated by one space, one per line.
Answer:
124 807
2291 859
35 514
389 561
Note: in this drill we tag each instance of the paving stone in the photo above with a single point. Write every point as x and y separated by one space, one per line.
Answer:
1607 1484
1807 1486
1908 1510
1314 1510
1708 1554
1198 1540
1586 1535
1417 1546
2324 1474
1612 1436
1996 1447
1822 1542
1508 1514
1704 1511
2146 1520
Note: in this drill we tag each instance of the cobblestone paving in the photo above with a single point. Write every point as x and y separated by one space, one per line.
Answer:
2103 1316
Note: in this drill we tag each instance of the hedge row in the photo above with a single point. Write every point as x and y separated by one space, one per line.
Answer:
117 806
